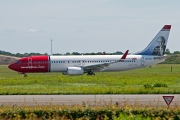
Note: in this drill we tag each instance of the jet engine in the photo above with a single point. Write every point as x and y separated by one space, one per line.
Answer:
74 71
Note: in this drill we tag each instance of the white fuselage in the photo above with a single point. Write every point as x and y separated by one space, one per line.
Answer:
61 63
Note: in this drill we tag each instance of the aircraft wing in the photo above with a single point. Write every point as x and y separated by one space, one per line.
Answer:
103 66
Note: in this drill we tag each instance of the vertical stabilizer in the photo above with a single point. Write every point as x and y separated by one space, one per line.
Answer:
158 45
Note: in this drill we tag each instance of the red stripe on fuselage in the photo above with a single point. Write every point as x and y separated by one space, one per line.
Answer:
31 64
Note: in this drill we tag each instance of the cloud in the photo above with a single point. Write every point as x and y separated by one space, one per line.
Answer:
32 30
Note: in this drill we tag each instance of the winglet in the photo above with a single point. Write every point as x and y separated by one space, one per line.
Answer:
124 55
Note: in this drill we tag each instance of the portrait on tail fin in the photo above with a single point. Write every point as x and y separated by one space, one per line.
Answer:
158 45
160 49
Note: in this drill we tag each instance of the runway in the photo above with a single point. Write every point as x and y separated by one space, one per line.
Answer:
91 100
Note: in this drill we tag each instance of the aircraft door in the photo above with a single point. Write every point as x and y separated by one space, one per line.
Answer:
83 62
142 61
30 63
79 62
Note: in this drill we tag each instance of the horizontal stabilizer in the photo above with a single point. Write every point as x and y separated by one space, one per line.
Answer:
160 57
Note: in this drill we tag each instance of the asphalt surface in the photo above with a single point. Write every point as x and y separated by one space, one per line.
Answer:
31 100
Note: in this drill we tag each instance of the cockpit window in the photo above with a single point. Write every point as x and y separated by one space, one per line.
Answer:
19 62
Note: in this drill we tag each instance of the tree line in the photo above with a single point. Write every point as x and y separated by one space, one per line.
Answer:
172 58
68 53
20 54
167 51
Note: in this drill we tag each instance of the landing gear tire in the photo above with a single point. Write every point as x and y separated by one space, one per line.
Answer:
90 73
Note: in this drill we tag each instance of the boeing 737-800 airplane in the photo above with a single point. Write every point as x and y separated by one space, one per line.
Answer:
78 65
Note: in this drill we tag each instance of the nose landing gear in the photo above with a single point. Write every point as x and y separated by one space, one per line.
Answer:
25 75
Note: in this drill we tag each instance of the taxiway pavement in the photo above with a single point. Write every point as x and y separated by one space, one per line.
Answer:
30 100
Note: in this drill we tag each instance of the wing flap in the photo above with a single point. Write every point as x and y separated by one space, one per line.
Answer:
105 65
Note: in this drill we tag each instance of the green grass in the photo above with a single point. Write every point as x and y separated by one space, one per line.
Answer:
126 82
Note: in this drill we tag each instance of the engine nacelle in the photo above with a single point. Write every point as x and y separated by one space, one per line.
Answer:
75 71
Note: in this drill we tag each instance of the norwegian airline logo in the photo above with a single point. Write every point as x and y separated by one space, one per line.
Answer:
160 48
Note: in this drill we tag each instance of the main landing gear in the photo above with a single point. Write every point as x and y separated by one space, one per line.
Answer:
90 72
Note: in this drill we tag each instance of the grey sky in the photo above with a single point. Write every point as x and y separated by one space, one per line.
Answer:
86 25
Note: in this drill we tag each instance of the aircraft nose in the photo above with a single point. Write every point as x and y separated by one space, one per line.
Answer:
10 66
